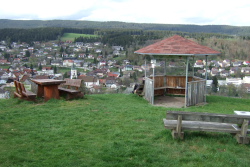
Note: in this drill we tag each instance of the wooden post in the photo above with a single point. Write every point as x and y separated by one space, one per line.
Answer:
186 90
153 86
242 137
193 68
177 133
165 77
205 99
145 67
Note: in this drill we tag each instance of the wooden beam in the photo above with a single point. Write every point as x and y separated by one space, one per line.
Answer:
186 92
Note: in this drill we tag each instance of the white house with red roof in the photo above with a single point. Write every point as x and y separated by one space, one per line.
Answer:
246 63
68 63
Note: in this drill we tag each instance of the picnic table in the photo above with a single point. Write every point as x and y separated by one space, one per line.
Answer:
48 88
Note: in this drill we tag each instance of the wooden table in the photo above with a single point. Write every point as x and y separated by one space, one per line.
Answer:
48 88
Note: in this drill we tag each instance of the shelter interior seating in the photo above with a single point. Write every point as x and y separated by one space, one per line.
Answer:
178 122
22 93
71 88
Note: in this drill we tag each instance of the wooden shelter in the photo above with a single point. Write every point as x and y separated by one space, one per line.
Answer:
193 88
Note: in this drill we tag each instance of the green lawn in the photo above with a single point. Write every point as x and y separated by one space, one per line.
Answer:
111 130
4 66
72 36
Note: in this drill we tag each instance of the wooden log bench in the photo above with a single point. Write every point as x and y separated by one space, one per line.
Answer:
22 93
179 121
71 88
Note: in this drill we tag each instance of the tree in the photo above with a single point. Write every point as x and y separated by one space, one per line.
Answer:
134 76
95 61
121 73
40 66
61 50
65 75
215 84
27 53
6 56
55 69
31 66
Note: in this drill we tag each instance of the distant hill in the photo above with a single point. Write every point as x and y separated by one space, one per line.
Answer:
220 29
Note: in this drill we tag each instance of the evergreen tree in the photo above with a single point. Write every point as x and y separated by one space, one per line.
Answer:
27 53
121 73
31 66
40 66
55 69
61 50
134 76
215 84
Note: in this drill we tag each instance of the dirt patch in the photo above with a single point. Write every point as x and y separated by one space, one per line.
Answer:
170 101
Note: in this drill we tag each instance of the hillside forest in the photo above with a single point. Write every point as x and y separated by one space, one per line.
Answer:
231 47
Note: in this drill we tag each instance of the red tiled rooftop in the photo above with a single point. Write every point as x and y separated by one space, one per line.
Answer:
176 45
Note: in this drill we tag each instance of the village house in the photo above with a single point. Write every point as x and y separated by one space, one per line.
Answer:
237 64
81 55
247 63
111 82
198 64
224 73
214 71
98 50
90 81
4 61
119 48
245 70
56 62
234 70
234 81
114 74
102 63
246 79
79 44
138 68
68 63
91 56
97 43
3 48
116 52
127 68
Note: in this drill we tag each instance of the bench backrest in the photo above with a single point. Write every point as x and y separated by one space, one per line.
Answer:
18 90
22 87
72 83
207 117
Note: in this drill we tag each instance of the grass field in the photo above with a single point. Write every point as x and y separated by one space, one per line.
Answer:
4 66
72 36
111 130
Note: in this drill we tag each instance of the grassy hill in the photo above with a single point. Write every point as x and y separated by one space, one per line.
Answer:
111 130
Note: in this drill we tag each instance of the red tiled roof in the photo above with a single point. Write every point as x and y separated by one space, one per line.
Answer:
176 45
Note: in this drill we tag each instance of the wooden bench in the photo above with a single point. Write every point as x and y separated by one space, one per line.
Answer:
179 121
22 93
71 88
138 89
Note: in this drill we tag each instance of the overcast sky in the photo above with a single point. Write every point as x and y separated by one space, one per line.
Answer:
199 12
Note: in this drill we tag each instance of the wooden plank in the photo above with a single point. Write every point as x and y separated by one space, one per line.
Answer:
179 125
168 87
203 126
207 117
68 90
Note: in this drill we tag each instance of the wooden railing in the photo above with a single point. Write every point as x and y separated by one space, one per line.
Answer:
196 92
176 85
